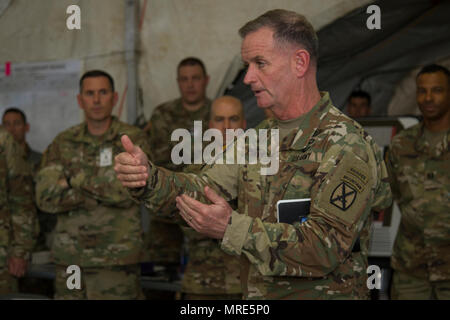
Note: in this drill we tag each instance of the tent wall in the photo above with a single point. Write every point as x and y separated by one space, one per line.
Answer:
35 31
171 30
404 98
175 29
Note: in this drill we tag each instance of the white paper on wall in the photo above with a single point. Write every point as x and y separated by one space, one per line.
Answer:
46 92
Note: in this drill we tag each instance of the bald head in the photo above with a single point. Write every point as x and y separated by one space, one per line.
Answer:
227 112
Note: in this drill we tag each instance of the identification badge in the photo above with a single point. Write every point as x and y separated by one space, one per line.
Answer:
105 157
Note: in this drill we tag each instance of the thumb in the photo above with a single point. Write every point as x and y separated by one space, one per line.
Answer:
213 196
128 145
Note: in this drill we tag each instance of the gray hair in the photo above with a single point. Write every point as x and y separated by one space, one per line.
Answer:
289 27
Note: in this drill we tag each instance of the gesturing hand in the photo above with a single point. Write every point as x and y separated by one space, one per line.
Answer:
17 266
131 166
210 220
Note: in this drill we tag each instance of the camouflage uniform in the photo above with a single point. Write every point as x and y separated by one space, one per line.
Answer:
46 221
165 239
33 158
421 185
98 225
17 212
328 158
210 273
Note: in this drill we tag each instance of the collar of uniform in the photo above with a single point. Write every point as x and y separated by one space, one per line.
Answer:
27 150
300 137
182 112
110 134
423 146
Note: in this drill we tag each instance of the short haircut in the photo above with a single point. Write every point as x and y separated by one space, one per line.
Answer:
432 68
231 99
289 27
16 110
360 94
95 74
191 61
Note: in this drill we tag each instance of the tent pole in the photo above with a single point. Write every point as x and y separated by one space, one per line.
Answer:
131 9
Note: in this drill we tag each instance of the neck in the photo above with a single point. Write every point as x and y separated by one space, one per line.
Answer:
23 144
305 98
438 125
98 128
193 106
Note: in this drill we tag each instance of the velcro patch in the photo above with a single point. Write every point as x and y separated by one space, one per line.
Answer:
343 196
346 192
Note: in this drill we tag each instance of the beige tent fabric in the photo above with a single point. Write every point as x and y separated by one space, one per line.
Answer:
172 29
175 29
35 31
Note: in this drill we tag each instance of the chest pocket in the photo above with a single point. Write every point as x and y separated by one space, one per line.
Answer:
411 176
293 181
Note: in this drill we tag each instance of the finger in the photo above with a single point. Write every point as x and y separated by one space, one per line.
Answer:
213 196
132 177
125 158
134 184
23 271
13 269
192 203
128 144
186 208
189 220
20 272
130 169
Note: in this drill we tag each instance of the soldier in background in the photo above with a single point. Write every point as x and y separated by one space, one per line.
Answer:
419 164
98 225
211 273
17 214
324 155
358 104
165 238
15 121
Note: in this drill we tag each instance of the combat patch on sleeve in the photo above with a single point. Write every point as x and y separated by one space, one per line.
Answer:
346 192
343 196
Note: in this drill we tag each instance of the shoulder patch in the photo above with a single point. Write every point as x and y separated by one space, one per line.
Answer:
343 196
346 192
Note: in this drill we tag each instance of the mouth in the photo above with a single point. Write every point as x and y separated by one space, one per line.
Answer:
429 108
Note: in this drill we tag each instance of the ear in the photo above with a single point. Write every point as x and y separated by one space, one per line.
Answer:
80 104
27 127
207 80
116 98
301 62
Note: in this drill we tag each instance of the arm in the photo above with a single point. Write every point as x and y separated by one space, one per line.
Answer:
20 203
158 187
316 247
103 186
53 192
392 167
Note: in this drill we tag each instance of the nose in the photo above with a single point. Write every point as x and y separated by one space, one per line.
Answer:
428 96
227 124
249 76
96 97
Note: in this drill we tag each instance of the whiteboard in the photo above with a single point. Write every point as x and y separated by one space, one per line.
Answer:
47 93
